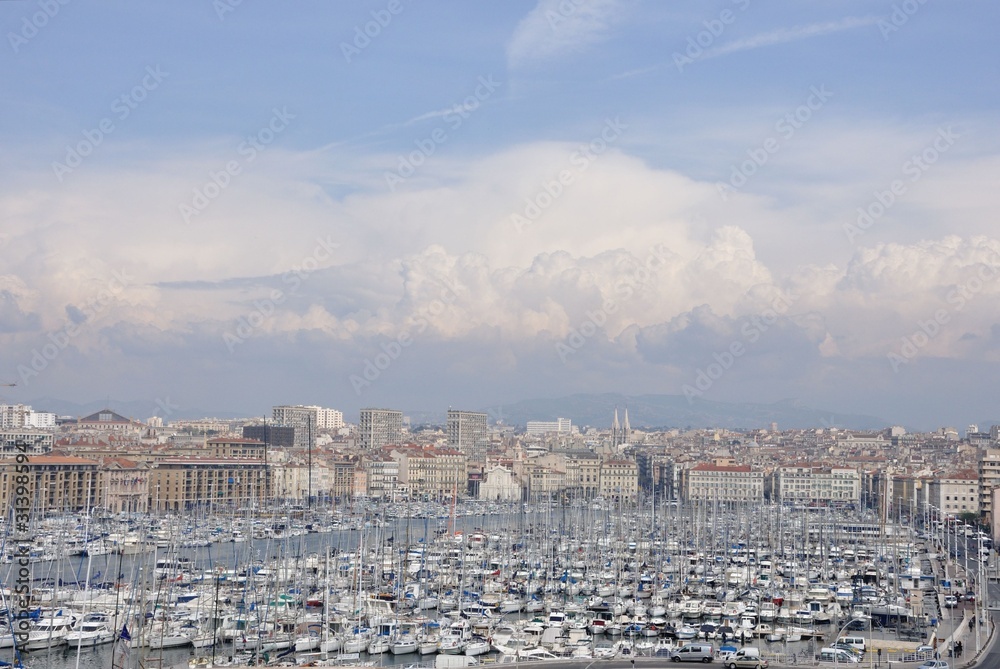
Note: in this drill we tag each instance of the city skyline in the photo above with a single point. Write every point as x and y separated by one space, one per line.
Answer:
394 205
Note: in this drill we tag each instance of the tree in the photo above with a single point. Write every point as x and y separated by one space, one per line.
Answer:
969 518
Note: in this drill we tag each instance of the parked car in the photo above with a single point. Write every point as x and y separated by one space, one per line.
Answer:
839 655
950 601
746 658
934 664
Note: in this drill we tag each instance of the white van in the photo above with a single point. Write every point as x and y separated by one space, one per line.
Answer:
856 641
838 655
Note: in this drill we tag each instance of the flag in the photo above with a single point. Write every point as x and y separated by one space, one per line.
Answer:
125 638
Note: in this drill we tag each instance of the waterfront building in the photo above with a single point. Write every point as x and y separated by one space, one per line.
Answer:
956 493
431 472
723 483
989 480
379 427
56 483
124 486
382 478
176 484
810 484
500 484
581 470
619 480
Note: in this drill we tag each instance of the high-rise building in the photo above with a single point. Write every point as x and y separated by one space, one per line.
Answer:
379 427
14 415
307 421
274 436
468 433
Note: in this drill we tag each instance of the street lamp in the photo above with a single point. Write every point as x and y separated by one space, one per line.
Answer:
841 633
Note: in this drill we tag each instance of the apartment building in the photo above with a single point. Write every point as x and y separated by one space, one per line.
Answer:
723 483
431 472
383 478
55 483
176 484
468 432
956 493
379 427
619 480
809 484
989 479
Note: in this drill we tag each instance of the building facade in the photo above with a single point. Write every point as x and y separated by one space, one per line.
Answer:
469 433
176 484
815 484
379 427
619 480
989 480
955 494
56 484
559 425
723 483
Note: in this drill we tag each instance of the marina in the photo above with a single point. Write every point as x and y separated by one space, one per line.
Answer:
405 583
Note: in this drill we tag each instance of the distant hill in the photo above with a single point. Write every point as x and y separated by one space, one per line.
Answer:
644 411
647 411
136 409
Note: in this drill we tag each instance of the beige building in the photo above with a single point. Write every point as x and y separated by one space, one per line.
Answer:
723 483
124 486
432 472
541 482
989 479
581 471
383 478
55 483
176 484
955 494
619 480
810 484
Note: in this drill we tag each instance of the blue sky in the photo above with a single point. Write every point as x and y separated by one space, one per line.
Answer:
484 202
